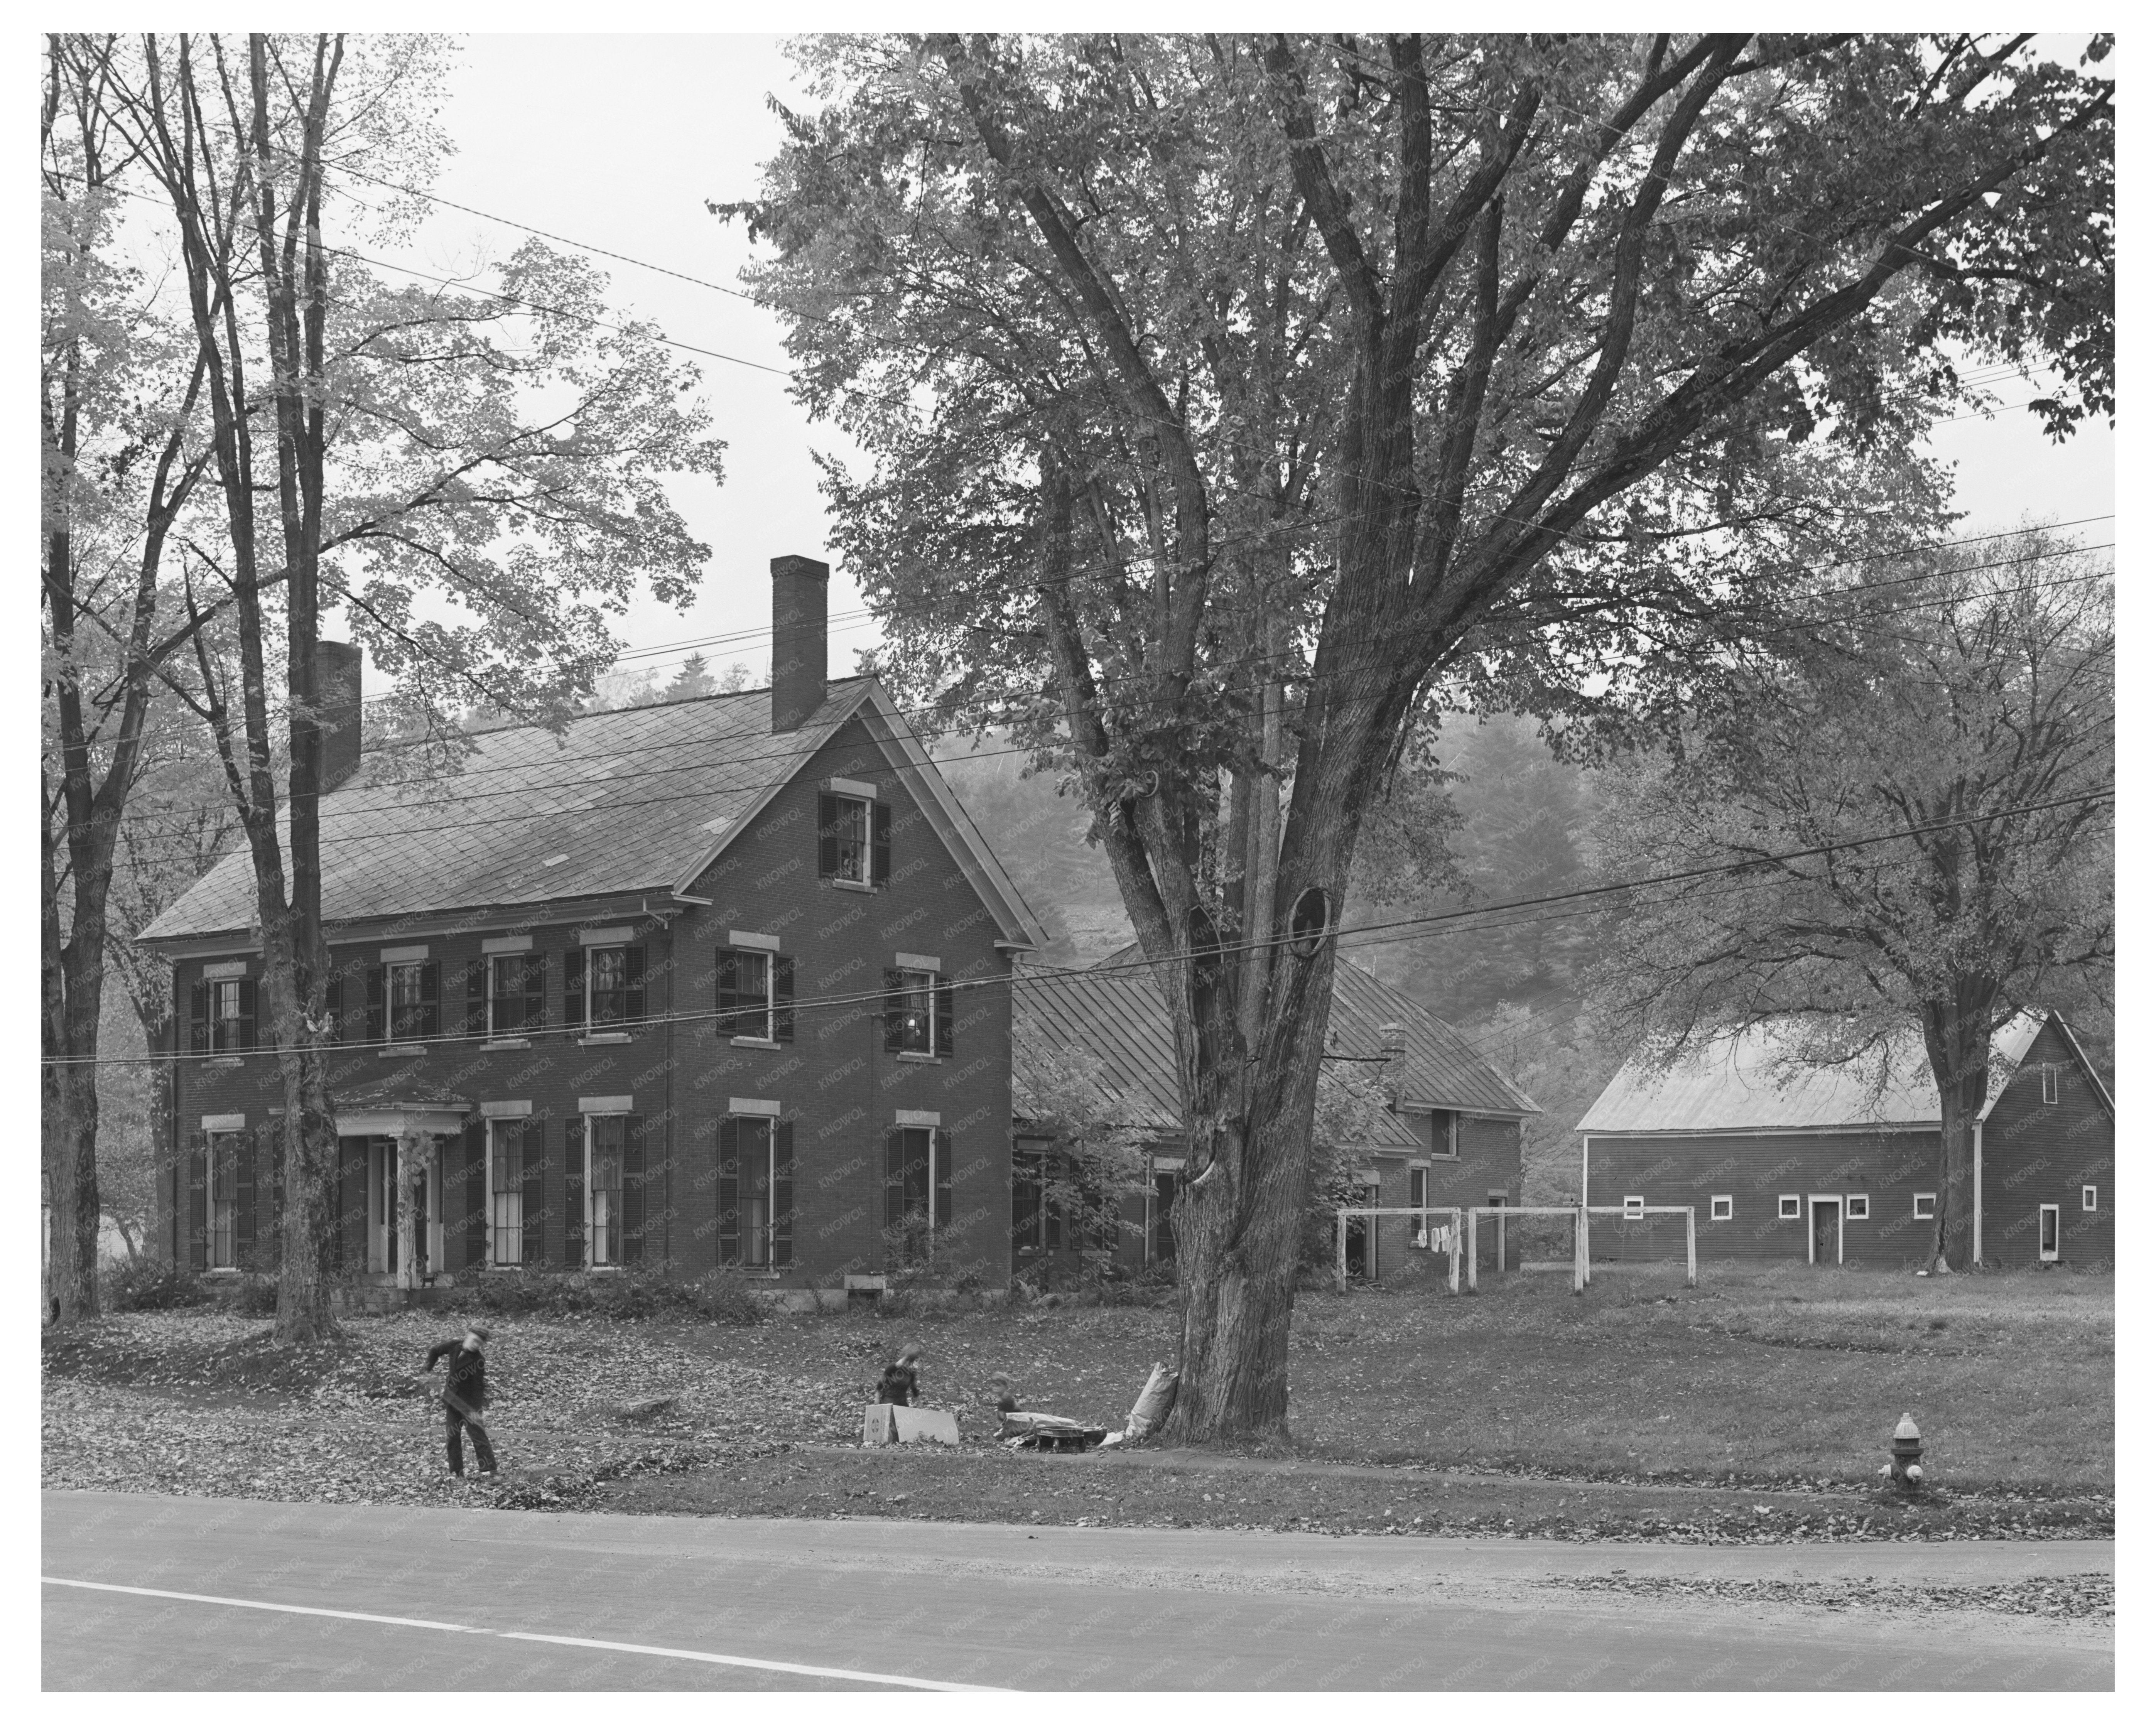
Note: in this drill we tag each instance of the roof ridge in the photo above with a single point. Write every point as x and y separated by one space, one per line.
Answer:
387 744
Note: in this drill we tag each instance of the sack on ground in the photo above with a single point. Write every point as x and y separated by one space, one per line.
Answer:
1154 1403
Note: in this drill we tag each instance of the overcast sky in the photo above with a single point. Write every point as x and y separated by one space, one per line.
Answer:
617 141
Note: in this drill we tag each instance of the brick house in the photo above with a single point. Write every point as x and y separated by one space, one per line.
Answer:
715 982
1840 1166
1445 1130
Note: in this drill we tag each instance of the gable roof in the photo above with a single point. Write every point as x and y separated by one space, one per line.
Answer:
1750 1081
638 799
1115 1012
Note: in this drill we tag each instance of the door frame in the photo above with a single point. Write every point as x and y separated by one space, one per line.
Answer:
1812 1202
2052 1255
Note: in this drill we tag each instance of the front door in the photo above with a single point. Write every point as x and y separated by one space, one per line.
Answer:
2047 1233
1164 1233
382 1207
1826 1231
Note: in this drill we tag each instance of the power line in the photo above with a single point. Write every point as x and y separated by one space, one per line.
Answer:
1226 950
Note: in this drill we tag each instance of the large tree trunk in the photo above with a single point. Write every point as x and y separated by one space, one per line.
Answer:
1958 1042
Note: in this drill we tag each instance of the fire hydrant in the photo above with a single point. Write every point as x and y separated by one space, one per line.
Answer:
1907 1468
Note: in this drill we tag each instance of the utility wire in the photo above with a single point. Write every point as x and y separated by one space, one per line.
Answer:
1023 974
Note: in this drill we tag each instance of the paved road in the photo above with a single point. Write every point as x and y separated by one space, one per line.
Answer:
385 1598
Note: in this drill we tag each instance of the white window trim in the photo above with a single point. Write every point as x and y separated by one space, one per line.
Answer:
917 961
1924 1207
768 1010
405 955
934 981
860 790
1789 1207
744 940
617 939
605 937
2051 1085
866 880
915 1120
1856 1207
2088 1198
495 946
761 1107
1635 1206
225 972
1721 1207
592 1116
521 1038
2058 1230
494 1118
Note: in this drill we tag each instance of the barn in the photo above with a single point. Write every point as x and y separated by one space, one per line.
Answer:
1788 1163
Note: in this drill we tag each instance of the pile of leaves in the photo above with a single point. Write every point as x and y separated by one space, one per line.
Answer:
201 1404
2082 1595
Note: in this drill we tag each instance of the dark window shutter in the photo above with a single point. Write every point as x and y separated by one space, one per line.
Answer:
879 844
781 1194
475 1024
781 996
894 1176
198 1018
572 1192
727 998
942 1178
572 988
431 998
632 1189
535 991
475 1194
894 1011
243 1204
333 1002
244 1032
198 1201
632 969
535 1193
946 1017
827 836
730 1191
377 1024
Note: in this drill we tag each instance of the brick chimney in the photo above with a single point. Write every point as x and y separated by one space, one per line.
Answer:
800 607
336 694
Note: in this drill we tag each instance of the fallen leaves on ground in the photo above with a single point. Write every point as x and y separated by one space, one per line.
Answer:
2087 1596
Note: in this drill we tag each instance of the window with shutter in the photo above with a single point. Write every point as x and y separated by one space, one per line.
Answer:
507 1183
894 1011
476 1206
782 1194
412 993
880 860
614 996
604 1135
747 995
757 1192
572 989
940 1151
843 828
633 1176
573 1194
198 1019
730 1190
530 1146
725 993
914 1008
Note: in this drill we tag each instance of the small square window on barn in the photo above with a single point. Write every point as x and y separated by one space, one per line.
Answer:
1790 1206
1721 1208
1635 1206
1857 1207
2088 1198
2051 1085
1926 1207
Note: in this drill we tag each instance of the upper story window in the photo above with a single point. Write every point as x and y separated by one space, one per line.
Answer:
412 994
917 1013
852 839
2051 1085
1444 1133
603 989
754 996
221 1020
515 985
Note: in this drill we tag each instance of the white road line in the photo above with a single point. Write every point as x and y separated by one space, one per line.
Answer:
466 1629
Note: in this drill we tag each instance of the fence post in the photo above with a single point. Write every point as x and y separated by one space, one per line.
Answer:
1470 1248
1586 1250
1580 1252
1454 1253
1691 1247
1340 1253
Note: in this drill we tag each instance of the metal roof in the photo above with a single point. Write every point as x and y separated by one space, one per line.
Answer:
639 799
1119 1016
1754 1081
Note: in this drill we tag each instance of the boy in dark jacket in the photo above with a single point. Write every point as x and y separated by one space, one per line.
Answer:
900 1382
463 1397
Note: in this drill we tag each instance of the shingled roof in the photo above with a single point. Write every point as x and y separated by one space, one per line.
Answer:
639 799
1117 1014
1752 1082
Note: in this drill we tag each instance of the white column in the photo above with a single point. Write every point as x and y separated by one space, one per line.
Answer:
410 1153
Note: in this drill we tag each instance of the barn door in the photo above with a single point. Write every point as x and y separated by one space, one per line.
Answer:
1826 1231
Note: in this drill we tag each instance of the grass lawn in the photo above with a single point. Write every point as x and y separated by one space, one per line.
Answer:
1637 1406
